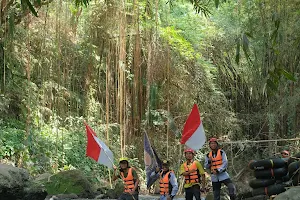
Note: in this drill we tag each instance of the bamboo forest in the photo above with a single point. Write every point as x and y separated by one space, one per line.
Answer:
176 93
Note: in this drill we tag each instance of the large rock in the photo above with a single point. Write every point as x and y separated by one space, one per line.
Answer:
290 194
68 182
34 191
15 185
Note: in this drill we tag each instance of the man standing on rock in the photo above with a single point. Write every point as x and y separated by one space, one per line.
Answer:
194 174
167 181
130 180
216 161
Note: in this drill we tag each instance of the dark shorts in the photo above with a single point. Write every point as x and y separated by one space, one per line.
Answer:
217 189
191 192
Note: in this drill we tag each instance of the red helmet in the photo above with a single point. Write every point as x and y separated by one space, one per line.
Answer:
213 140
189 150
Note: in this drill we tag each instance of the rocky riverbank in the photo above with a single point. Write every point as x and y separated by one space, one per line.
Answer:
16 184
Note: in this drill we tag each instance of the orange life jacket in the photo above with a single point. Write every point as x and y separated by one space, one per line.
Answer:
216 162
128 181
164 183
192 177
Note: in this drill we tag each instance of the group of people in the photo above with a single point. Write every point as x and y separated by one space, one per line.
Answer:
191 170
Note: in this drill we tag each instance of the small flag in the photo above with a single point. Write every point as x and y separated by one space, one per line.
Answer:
193 134
97 150
151 161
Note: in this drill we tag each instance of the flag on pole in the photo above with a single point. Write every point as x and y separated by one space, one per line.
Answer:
193 134
151 161
97 150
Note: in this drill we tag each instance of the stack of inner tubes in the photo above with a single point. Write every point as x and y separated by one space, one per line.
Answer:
294 168
270 176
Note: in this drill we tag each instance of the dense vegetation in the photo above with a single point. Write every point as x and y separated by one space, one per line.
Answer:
132 66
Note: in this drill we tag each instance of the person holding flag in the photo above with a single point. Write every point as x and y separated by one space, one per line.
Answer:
98 151
151 162
130 180
194 174
193 136
167 181
216 161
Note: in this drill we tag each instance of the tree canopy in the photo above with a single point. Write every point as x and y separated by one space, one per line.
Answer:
134 66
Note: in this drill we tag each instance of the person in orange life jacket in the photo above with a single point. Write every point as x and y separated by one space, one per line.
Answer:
167 181
216 161
130 180
193 173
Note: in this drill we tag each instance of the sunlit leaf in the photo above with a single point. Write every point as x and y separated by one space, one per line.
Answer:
237 54
217 3
31 8
39 2
249 34
287 75
11 22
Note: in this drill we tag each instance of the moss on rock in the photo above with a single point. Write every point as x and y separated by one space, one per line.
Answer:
68 182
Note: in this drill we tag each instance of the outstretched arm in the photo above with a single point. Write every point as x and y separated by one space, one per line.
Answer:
115 176
155 174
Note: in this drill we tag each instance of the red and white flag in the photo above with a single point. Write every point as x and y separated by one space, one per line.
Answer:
193 134
97 150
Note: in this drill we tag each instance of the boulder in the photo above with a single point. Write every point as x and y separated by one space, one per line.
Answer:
16 185
34 191
68 182
290 194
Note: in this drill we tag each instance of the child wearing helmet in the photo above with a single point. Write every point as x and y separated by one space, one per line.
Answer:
194 175
130 179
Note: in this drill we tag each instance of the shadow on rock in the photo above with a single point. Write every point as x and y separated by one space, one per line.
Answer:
15 184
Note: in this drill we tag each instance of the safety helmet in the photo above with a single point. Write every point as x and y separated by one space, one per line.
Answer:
189 150
165 162
213 140
123 159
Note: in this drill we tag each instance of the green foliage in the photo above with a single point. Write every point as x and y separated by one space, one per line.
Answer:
54 76
27 3
11 142
178 42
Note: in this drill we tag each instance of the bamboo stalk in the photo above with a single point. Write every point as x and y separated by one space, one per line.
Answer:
136 65
168 88
122 60
107 104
